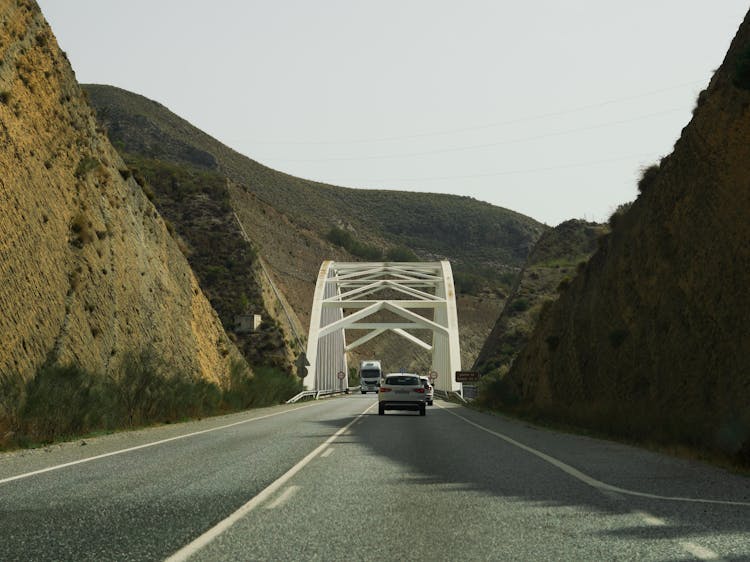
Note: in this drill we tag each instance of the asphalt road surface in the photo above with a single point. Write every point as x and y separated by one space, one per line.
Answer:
332 480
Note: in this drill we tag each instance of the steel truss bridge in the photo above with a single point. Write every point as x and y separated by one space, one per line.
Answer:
348 294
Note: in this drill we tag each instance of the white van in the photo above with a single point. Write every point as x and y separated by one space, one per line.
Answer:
369 376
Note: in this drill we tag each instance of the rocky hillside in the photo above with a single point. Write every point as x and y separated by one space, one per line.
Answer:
651 339
554 261
196 204
88 269
295 224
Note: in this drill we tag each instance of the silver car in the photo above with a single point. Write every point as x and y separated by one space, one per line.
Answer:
402 391
429 391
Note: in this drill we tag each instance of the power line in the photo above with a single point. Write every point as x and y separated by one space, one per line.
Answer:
479 146
487 175
476 127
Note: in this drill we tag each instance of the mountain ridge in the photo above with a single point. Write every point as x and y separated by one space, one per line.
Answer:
291 221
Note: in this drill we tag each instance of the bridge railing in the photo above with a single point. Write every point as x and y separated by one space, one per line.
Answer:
316 394
450 394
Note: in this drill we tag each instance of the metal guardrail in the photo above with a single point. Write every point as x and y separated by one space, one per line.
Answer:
448 394
316 394
301 395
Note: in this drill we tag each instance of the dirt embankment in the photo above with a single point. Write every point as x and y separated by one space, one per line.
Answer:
651 338
88 270
556 258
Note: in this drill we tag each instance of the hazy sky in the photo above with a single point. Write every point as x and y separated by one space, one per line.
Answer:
549 108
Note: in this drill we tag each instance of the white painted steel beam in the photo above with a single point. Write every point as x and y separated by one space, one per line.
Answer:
364 304
412 338
364 339
355 286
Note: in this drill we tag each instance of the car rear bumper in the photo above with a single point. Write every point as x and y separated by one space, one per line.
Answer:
402 405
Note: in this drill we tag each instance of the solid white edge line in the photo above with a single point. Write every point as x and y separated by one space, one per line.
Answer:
146 445
283 497
699 552
585 478
206 538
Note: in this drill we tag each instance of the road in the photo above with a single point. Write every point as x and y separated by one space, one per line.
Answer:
332 480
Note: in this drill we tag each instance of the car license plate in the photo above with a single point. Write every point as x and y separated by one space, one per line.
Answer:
402 392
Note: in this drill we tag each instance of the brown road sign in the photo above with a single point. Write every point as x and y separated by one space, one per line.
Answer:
467 376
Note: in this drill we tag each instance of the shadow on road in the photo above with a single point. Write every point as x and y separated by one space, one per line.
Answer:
442 449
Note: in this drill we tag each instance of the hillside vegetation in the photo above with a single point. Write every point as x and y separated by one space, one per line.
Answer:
556 258
196 205
296 224
468 231
90 274
650 340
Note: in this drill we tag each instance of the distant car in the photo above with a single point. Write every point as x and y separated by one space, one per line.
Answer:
428 390
402 391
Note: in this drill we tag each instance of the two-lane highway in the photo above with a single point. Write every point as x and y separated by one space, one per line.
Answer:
332 480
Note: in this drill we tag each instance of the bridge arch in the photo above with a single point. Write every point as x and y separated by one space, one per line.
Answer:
346 296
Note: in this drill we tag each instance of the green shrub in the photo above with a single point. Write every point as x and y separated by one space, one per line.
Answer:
648 177
67 401
619 212
354 378
12 396
519 305
400 253
81 231
741 77
468 283
4 97
266 386
59 402
340 237
563 285
366 251
617 337
700 100
496 391
86 165
344 239
271 385
139 385
553 342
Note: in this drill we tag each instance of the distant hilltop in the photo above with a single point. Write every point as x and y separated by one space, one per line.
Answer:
295 224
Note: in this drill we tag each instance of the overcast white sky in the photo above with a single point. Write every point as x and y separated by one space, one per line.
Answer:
546 107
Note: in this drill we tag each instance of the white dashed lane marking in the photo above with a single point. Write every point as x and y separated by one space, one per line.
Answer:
699 552
650 519
283 498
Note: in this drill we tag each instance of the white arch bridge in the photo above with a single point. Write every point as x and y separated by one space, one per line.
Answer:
347 294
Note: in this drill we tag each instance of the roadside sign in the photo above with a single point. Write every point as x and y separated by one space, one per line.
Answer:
433 376
340 375
467 376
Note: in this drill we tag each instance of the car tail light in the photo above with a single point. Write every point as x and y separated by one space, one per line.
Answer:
420 390
384 389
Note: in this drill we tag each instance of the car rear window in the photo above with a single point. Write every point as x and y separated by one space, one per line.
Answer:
402 380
